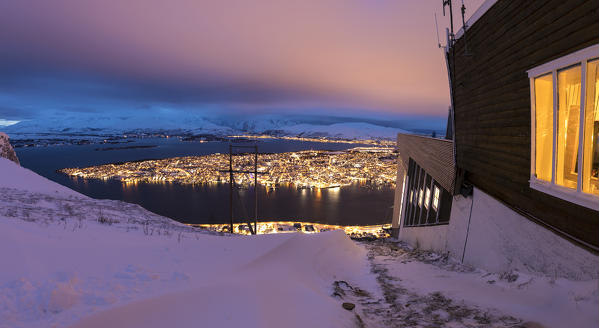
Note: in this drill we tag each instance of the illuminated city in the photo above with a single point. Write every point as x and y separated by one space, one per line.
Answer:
303 169
357 232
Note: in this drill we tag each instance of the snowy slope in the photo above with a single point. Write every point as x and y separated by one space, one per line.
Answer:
17 177
71 260
427 289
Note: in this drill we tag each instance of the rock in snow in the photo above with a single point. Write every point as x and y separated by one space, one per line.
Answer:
6 149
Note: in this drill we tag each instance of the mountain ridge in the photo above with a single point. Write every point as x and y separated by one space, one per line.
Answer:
104 125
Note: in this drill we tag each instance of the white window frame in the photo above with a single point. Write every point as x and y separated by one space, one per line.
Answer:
581 57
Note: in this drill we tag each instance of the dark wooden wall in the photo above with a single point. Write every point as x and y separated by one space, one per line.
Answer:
492 102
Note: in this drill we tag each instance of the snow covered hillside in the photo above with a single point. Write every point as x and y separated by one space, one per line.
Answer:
72 261
68 259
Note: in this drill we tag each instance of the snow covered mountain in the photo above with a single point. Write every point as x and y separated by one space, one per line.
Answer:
58 123
174 122
343 131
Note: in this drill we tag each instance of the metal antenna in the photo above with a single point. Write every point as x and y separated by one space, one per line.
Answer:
463 20
437 30
464 27
452 35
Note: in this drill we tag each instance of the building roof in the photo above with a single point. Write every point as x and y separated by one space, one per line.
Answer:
434 155
484 7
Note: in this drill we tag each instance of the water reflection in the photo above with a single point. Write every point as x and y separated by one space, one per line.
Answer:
357 204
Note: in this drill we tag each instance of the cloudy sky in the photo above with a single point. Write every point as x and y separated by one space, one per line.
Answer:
375 58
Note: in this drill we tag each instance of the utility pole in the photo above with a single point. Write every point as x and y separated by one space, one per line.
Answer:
231 185
256 188
254 227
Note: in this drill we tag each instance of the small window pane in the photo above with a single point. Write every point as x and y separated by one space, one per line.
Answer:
544 126
568 92
427 199
420 198
590 177
436 195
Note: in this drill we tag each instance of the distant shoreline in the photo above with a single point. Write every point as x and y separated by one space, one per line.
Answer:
125 147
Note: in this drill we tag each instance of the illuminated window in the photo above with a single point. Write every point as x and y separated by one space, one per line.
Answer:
419 184
590 171
568 113
565 104
543 87
436 195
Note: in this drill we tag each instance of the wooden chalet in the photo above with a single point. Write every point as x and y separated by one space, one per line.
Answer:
524 154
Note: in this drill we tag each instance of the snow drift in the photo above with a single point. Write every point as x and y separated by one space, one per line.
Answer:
97 263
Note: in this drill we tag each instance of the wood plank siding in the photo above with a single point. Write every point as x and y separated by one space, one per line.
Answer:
433 155
492 103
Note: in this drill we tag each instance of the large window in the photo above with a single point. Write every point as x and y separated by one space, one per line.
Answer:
544 130
427 202
565 127
590 169
568 114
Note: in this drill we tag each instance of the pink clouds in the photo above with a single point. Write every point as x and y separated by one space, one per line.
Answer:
345 53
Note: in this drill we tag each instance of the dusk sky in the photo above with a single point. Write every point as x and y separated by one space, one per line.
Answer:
374 58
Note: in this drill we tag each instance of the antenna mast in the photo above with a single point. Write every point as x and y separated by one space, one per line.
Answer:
437 30
451 34
464 27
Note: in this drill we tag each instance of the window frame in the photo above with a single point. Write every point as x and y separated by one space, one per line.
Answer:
413 215
576 196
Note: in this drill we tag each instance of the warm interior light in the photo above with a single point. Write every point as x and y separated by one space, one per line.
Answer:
544 126
568 91
590 177
436 195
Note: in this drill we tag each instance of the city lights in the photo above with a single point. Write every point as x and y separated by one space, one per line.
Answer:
302 169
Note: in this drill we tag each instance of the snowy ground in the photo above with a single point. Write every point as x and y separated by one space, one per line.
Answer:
72 261
425 289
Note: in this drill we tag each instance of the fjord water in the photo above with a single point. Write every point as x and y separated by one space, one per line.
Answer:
350 205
